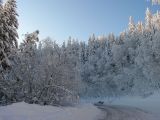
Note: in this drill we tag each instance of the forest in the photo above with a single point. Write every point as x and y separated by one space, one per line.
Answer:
47 73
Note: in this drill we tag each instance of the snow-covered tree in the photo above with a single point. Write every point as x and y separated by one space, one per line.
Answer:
111 38
28 65
156 20
148 20
140 27
10 15
8 36
8 47
155 2
131 25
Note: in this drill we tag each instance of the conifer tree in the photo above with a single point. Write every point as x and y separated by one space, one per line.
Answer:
8 43
12 22
8 31
148 20
4 44
131 25
140 27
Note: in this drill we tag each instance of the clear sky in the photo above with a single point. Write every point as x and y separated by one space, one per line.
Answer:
60 19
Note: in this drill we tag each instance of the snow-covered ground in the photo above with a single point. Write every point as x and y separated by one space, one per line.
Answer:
149 107
138 107
150 104
117 112
128 108
24 111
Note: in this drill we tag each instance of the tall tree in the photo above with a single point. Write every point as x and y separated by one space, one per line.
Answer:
8 43
8 31
148 20
131 25
139 27
12 22
4 45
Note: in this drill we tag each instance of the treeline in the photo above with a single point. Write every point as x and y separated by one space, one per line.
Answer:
45 72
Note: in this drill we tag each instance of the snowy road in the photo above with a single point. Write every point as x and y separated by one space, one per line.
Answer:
116 112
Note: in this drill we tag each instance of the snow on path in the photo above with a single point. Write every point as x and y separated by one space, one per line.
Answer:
150 104
114 112
24 111
121 111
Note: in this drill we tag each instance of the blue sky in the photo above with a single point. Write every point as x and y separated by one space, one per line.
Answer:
60 19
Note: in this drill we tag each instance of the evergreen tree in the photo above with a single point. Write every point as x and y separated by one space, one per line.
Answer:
148 20
2 54
156 21
8 31
10 14
140 27
131 25
8 45
4 42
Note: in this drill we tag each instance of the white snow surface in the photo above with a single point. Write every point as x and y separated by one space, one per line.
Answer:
24 111
132 107
115 112
127 108
150 104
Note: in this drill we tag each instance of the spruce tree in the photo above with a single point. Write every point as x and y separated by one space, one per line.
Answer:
131 25
4 45
140 27
148 20
12 22
8 31
8 44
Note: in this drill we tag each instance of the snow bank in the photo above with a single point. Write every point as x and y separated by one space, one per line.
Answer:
24 111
